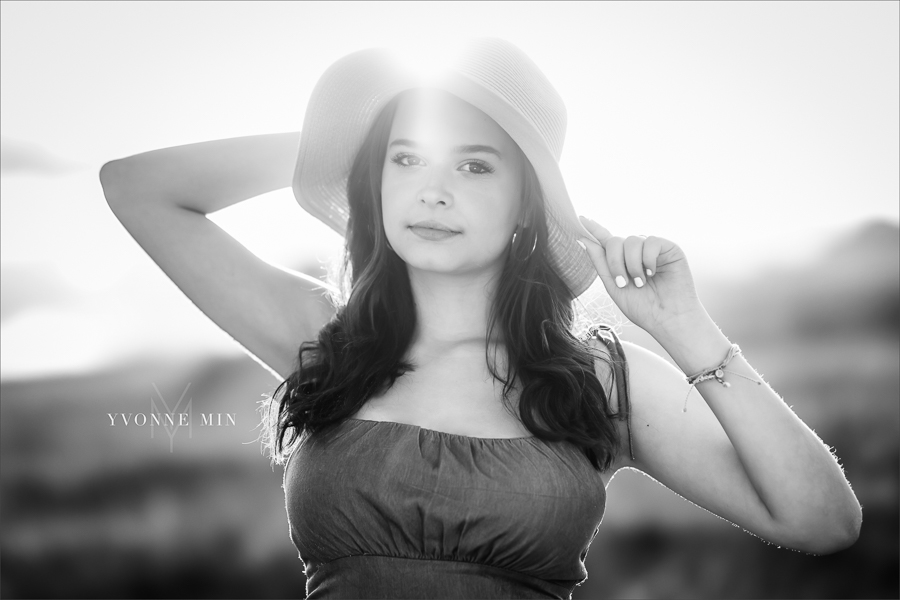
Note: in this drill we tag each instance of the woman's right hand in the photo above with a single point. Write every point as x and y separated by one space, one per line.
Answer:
162 198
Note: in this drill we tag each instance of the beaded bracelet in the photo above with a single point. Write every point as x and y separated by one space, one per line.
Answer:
717 373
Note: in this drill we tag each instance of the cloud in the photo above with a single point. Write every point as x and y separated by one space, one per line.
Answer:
25 158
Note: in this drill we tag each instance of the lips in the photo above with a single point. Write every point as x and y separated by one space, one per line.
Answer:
432 230
436 225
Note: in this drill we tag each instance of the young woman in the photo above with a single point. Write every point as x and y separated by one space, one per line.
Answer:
449 434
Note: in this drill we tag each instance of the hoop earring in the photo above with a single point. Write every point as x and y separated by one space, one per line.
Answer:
516 246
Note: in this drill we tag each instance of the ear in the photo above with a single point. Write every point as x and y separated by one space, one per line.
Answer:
529 212
524 220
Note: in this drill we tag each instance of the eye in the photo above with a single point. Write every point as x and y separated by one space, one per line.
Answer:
478 167
406 160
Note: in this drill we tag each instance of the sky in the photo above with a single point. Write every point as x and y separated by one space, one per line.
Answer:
749 133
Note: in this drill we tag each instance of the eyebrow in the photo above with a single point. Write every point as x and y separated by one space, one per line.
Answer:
465 149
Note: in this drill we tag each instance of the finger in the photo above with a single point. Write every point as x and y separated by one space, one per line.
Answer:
652 248
634 259
598 257
598 231
615 258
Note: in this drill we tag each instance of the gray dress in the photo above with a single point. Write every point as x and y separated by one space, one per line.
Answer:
379 509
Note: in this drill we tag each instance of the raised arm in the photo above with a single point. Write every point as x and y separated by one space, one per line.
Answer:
162 198
740 452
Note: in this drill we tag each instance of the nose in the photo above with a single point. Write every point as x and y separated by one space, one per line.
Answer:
435 192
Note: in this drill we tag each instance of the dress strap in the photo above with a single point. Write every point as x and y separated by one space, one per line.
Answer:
607 335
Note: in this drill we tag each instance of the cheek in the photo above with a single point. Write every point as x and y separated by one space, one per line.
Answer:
494 221
391 202
492 225
502 209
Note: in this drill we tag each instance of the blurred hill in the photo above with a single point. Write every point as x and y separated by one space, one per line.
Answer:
852 289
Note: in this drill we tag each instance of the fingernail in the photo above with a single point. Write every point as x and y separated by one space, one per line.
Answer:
638 282
620 281
580 243
649 273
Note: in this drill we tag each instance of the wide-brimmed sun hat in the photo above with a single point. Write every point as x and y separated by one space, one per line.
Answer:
491 74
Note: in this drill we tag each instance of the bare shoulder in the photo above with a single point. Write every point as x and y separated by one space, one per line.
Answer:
651 384
637 364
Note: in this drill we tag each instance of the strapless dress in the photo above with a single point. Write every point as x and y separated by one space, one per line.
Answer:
378 509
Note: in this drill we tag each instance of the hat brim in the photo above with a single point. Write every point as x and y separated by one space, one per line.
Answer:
342 108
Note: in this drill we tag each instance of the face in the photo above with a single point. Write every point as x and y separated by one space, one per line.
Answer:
451 186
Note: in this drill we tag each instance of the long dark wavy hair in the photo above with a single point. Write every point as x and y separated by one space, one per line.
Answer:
360 352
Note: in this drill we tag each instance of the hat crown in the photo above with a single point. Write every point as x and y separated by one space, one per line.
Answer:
505 70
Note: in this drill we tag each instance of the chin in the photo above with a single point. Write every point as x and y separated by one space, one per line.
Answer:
424 260
447 263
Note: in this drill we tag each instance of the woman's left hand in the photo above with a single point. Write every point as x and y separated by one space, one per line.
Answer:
664 300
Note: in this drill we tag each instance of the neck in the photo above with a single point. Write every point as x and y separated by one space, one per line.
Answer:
452 311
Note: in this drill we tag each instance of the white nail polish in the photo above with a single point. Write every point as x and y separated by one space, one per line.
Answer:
638 282
649 272
620 281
